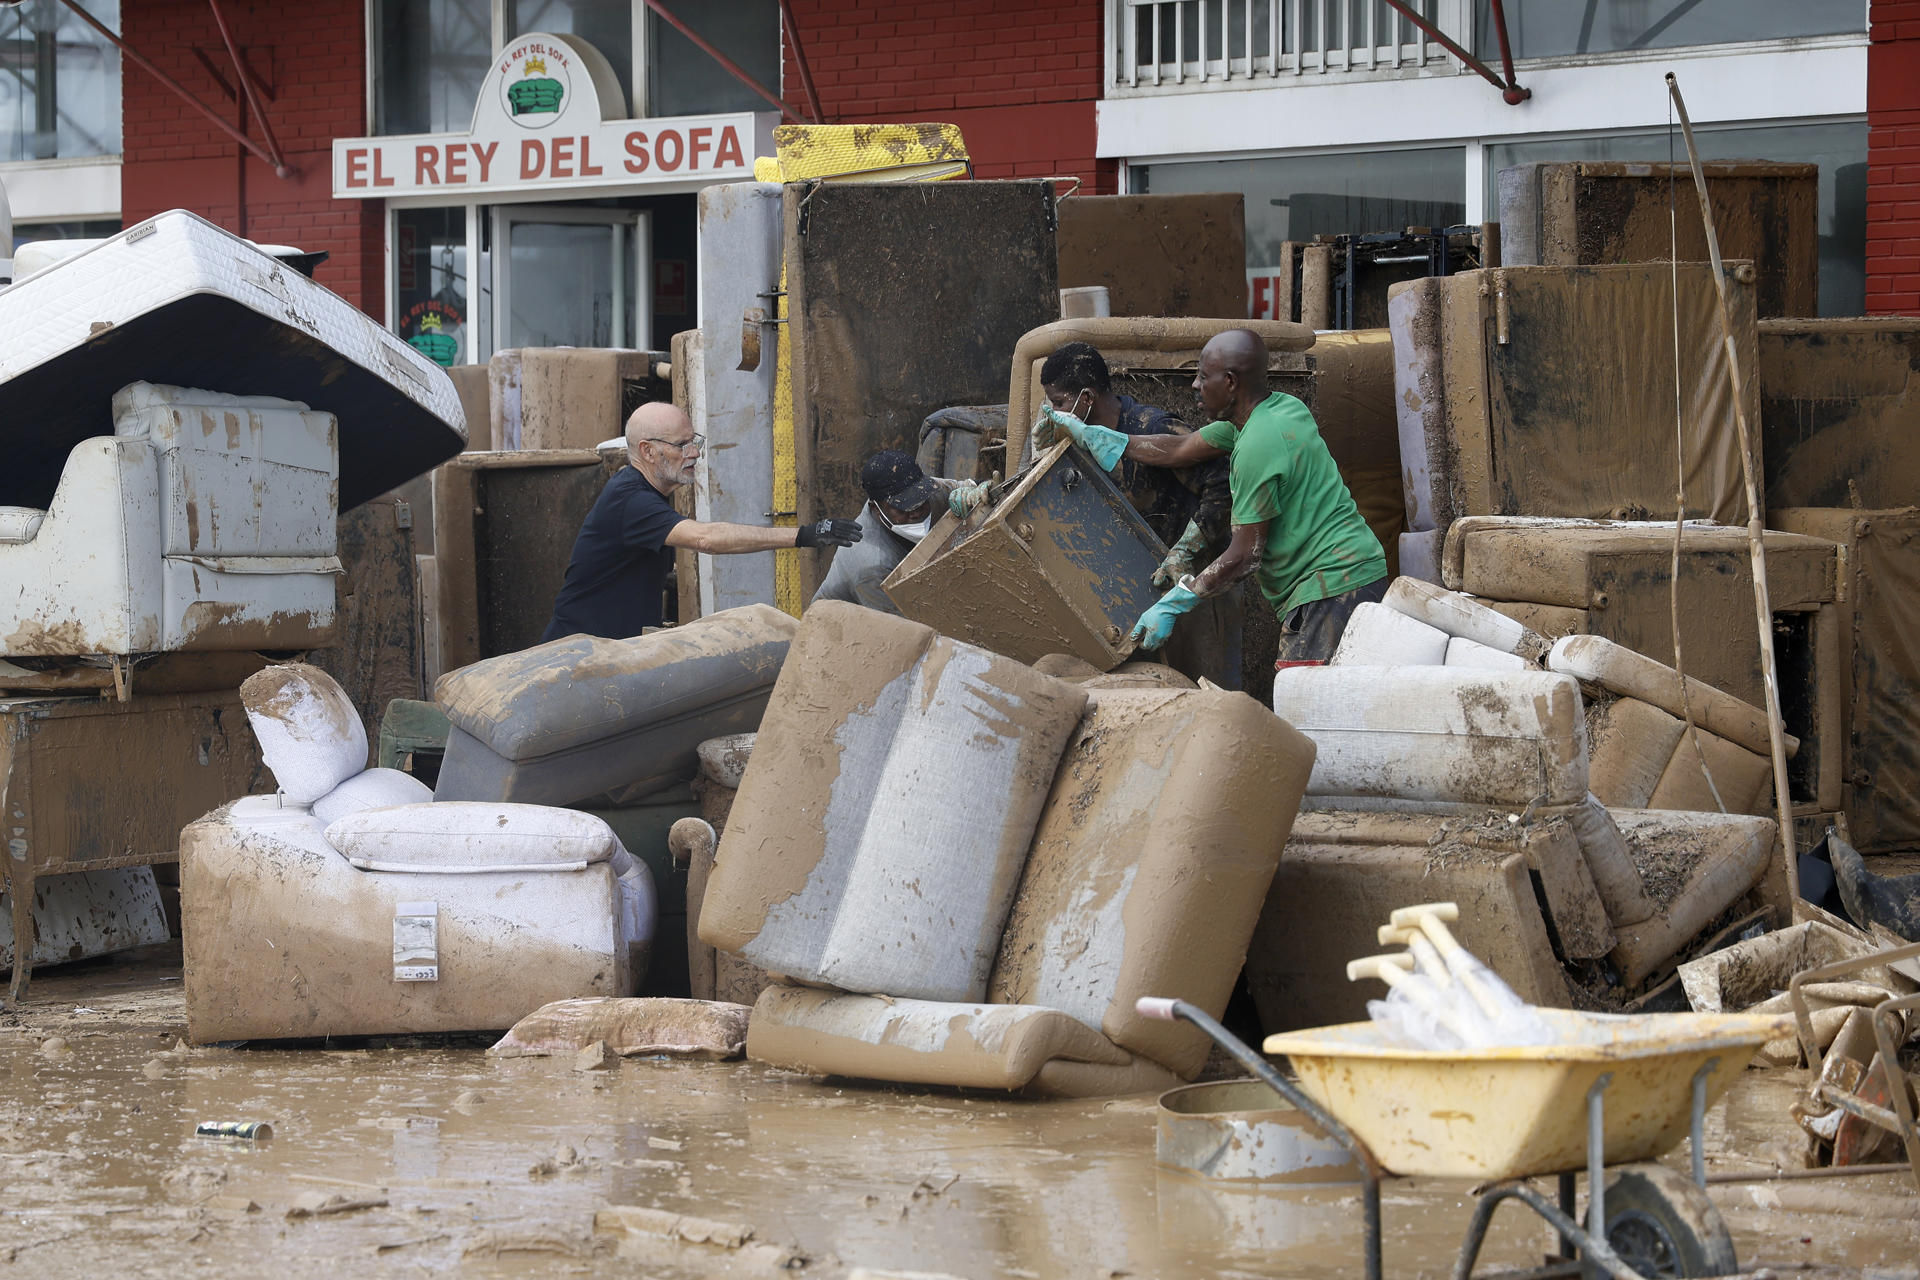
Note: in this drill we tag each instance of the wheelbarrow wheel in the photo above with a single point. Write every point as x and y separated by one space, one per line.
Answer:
1662 1224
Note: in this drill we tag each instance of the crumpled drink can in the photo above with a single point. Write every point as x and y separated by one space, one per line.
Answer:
248 1129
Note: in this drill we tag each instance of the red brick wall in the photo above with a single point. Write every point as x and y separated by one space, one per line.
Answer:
1893 157
311 58
1020 77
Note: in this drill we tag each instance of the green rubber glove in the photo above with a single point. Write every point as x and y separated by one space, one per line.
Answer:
1179 561
969 498
1104 445
1156 624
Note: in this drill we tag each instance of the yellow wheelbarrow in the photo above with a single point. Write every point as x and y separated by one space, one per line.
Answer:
1615 1091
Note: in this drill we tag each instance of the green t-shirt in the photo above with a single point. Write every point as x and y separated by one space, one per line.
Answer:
1317 544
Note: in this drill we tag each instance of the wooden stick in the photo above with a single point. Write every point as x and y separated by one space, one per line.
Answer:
1756 526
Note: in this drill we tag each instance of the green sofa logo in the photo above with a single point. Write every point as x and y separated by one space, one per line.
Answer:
536 93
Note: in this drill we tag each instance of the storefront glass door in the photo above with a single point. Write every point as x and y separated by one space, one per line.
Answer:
570 277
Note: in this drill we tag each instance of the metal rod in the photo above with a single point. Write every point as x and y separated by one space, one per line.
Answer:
1593 1247
1569 1205
1596 1158
731 67
1512 93
139 60
280 169
1793 1175
1756 526
1696 1133
800 56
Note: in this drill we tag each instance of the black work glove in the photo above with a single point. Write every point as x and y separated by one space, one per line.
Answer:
829 533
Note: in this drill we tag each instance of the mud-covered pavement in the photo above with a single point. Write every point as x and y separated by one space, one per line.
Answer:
498 1166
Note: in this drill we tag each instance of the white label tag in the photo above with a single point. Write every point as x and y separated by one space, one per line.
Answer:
416 942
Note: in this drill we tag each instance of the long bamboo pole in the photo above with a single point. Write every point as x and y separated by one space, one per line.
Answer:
1756 525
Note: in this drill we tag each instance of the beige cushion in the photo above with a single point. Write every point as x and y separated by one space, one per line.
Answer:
1147 872
982 1046
879 831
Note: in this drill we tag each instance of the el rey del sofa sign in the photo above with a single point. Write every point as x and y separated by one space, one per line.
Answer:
541 122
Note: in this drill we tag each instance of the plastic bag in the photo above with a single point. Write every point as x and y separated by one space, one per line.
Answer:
1422 1011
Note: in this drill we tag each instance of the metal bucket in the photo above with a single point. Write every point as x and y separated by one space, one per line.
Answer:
1241 1131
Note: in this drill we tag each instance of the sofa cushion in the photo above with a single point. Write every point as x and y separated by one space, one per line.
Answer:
879 831
374 789
457 838
982 1046
569 719
310 734
1151 860
1439 733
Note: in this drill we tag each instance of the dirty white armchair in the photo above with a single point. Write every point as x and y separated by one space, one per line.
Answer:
349 904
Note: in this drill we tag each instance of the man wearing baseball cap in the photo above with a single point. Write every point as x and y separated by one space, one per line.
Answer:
901 508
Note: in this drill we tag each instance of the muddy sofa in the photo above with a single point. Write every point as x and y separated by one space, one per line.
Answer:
580 716
939 918
348 903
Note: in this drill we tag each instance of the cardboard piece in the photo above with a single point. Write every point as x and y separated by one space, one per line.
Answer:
376 654
904 297
568 397
504 528
1548 391
1837 404
1158 255
90 783
1879 648
1606 211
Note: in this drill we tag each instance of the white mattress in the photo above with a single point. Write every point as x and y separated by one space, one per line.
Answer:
177 300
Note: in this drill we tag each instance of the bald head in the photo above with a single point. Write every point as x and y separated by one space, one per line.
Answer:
661 445
1232 377
656 420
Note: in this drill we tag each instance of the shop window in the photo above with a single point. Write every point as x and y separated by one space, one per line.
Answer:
683 81
429 60
607 25
1300 197
60 91
431 295
1554 28
1839 149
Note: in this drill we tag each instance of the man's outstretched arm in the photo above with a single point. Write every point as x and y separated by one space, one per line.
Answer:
719 538
1172 450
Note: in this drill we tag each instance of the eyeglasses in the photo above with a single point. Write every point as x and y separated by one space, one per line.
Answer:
695 442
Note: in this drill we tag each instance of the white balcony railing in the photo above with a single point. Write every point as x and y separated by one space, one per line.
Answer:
1157 44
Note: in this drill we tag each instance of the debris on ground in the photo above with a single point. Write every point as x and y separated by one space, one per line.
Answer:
630 1027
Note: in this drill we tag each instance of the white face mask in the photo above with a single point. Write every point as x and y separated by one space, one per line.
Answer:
915 531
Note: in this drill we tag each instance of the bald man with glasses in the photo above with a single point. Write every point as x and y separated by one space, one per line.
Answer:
616 580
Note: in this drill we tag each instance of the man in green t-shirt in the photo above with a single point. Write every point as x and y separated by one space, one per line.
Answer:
1295 526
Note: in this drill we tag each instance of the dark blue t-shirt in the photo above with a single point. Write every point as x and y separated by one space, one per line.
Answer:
620 562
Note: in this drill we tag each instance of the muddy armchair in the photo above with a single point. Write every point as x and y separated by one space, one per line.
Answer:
348 903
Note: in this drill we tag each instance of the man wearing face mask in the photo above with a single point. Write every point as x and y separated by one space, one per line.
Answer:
616 579
1189 507
901 508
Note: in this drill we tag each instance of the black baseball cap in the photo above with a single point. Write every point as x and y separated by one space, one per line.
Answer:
894 478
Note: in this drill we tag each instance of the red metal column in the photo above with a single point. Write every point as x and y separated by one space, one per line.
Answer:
728 64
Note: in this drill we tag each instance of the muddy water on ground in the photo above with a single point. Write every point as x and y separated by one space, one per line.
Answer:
497 1166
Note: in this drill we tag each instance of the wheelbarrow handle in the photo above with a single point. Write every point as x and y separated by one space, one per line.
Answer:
1169 1010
